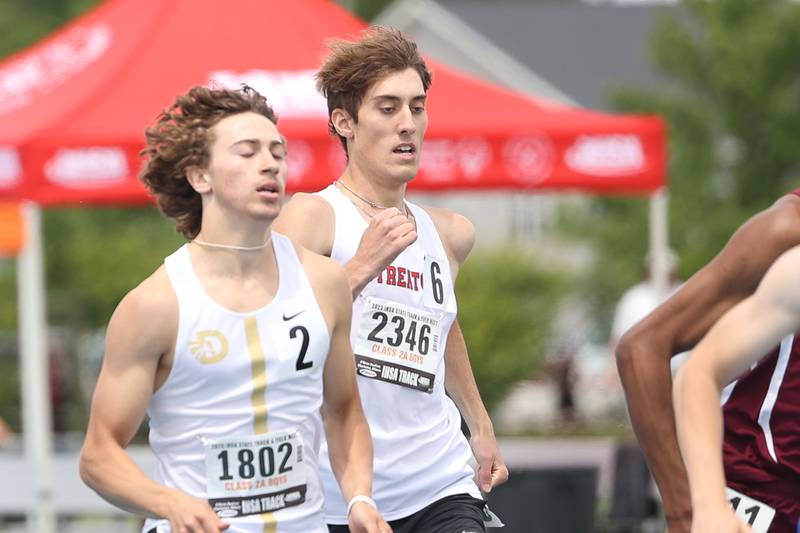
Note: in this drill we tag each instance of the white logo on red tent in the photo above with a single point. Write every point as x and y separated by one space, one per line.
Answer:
87 167
438 159
528 159
442 159
291 93
10 166
44 70
604 155
474 155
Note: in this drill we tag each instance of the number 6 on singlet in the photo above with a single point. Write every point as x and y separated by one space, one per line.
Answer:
434 293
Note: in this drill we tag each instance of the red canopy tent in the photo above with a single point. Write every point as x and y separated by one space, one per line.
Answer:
73 109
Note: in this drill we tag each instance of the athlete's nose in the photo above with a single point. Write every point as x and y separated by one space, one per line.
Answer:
407 125
269 164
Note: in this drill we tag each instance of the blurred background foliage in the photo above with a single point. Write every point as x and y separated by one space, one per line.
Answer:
506 304
731 99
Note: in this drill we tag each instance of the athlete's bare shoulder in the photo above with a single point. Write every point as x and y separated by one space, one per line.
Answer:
756 244
783 219
309 220
728 278
152 296
328 279
456 231
304 201
145 321
317 265
781 284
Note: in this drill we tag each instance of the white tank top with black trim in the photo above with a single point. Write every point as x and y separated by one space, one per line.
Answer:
237 422
401 321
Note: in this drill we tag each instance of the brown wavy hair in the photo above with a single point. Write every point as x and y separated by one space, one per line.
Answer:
352 67
181 138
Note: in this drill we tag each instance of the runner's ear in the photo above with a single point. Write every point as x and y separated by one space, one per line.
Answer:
198 179
342 122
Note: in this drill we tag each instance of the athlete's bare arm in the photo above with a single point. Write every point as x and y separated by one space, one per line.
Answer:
458 236
309 220
740 338
141 334
346 428
644 352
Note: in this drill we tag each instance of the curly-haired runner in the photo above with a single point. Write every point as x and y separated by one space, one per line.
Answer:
402 261
237 348
182 139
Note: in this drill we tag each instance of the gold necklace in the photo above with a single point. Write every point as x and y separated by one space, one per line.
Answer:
232 246
370 203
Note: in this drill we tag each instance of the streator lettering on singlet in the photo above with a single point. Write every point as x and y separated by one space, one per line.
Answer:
401 322
401 277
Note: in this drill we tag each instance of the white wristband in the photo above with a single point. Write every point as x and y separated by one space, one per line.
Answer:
355 499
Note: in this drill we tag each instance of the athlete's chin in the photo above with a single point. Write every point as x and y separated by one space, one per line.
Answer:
268 213
405 173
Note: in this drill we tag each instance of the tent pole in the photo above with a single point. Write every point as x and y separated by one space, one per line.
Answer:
36 408
659 247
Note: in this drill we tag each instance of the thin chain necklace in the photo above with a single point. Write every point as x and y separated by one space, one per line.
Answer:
370 203
234 247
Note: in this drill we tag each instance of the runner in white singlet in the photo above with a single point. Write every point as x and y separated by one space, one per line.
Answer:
402 261
237 348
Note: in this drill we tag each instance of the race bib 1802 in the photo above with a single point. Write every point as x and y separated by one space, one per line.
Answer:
255 474
398 344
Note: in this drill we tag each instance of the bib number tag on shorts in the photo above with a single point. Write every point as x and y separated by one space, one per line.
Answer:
255 474
757 514
398 344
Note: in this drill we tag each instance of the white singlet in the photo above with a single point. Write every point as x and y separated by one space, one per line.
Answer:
400 325
237 421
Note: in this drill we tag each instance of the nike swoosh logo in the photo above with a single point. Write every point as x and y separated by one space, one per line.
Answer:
287 318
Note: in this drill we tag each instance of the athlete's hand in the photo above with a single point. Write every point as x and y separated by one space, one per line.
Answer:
718 519
187 514
364 518
388 234
492 470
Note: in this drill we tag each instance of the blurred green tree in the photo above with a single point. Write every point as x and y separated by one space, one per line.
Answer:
506 303
95 256
23 22
368 9
731 97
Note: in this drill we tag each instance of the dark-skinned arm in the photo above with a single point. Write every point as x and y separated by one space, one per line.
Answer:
644 352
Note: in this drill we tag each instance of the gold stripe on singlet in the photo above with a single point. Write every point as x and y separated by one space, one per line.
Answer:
258 397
